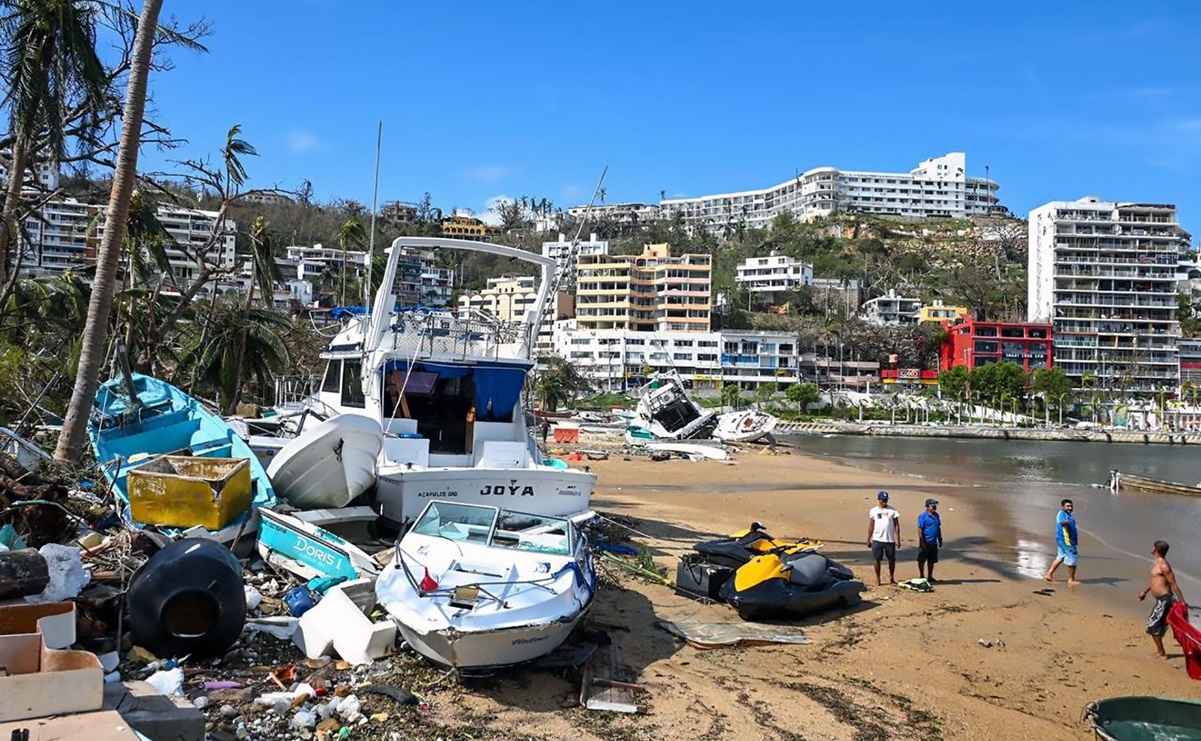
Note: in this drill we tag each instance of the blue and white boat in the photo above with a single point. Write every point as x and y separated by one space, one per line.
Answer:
156 419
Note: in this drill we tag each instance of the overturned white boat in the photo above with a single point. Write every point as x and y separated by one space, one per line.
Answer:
328 465
745 426
665 409
475 587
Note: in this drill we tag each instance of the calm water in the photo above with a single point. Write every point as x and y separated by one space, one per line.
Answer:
1017 485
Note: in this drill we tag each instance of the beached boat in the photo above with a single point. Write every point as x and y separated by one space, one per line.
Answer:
131 426
309 551
330 464
1145 719
446 389
1127 482
666 410
477 587
745 426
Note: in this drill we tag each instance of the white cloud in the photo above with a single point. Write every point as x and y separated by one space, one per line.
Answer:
488 173
303 141
574 193
488 214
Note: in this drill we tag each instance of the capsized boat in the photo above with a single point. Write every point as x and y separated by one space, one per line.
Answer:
666 410
1145 719
790 585
129 426
446 388
745 426
477 587
1142 485
742 546
330 464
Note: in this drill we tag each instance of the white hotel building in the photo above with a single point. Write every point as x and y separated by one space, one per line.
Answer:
773 275
938 187
1106 275
561 251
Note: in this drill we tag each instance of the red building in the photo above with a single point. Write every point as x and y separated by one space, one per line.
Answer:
973 344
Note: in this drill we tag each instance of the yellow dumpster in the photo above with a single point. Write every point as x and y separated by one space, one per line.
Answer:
185 491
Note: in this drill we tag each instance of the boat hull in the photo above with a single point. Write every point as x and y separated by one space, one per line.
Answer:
1145 719
402 492
490 649
329 465
744 427
1153 486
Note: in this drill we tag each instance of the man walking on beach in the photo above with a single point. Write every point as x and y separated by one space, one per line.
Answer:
1165 590
929 531
884 536
1065 541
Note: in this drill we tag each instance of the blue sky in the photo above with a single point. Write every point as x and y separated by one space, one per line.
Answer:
480 99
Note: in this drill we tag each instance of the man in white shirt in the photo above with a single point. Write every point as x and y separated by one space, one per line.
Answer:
884 536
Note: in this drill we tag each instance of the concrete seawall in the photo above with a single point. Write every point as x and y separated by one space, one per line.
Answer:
994 433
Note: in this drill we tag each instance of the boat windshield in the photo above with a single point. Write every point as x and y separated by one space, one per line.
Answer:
498 528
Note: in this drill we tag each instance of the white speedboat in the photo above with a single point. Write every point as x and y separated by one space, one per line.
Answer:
330 464
477 587
446 389
745 426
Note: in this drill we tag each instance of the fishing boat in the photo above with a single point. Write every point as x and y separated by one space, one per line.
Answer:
138 418
446 389
1145 719
1127 482
745 426
330 464
476 587
665 409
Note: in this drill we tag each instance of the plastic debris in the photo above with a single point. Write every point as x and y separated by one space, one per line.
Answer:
322 584
201 702
303 719
112 677
109 661
282 628
67 575
167 682
9 540
299 600
210 686
253 598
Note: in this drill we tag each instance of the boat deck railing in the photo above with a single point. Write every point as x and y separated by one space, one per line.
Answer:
478 335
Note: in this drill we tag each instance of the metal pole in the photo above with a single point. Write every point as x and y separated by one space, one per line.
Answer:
379 141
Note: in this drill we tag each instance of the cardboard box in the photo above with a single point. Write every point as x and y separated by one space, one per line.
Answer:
54 620
42 681
106 725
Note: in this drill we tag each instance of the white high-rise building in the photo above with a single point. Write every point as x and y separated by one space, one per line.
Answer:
937 188
774 274
561 251
1105 275
45 174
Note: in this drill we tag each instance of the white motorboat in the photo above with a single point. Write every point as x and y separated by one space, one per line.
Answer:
446 389
330 464
476 587
745 426
665 409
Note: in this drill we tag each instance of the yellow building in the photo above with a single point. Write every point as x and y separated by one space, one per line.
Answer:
938 313
466 227
651 292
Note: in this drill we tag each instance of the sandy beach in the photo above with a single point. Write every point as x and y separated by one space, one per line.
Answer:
902 665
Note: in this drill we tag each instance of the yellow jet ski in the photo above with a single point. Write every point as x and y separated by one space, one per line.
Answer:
790 584
742 546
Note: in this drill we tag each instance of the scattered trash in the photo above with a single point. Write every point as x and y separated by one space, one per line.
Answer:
322 584
109 661
23 573
67 575
996 642
298 600
282 628
253 598
307 550
188 599
167 682
9 539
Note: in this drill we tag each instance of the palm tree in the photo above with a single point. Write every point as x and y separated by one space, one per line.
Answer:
559 381
240 341
91 357
50 59
350 233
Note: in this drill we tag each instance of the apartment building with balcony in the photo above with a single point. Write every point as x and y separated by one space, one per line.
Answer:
567 258
891 310
974 344
625 215
1105 275
771 278
753 358
670 293
312 261
42 176
937 188
618 360
602 291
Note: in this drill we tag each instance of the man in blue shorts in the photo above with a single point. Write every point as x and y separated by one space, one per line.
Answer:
1065 541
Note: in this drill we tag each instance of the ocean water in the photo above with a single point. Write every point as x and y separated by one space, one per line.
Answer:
1016 487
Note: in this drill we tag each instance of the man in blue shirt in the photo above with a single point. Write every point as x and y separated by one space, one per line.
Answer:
929 528
1065 541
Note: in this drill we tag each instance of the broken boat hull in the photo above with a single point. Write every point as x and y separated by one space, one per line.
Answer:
329 465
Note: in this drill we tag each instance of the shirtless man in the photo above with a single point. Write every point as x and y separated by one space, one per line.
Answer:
1165 590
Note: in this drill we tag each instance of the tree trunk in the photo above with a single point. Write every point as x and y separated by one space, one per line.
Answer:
91 357
12 202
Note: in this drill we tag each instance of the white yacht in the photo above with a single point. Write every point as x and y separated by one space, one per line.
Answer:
447 391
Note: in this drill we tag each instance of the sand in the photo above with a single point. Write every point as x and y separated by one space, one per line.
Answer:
902 665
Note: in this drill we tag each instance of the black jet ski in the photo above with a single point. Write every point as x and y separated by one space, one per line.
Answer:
795 584
741 547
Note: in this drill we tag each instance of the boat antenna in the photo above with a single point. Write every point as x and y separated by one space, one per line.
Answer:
379 140
572 251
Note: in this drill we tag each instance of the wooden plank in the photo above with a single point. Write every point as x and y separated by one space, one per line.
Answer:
598 689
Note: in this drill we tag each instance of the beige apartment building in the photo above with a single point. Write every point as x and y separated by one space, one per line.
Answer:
651 292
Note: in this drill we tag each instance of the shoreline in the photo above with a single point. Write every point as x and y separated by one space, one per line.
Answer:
982 432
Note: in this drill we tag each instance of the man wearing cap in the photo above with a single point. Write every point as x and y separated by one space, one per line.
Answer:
884 535
929 531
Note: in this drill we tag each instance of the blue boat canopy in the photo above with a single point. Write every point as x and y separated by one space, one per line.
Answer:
497 385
